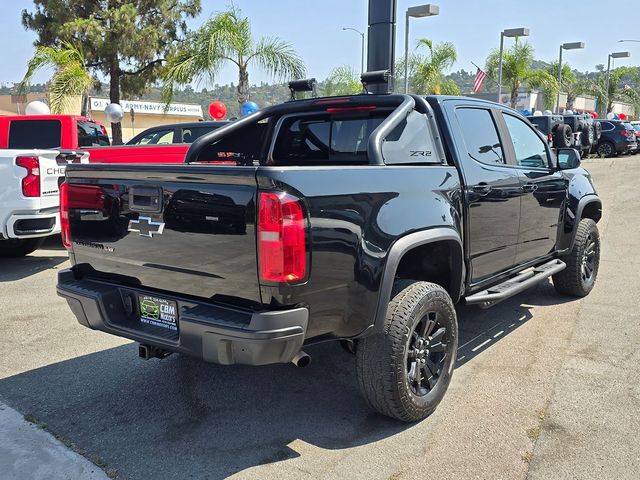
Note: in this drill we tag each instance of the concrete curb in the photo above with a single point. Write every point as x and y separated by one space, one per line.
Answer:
28 452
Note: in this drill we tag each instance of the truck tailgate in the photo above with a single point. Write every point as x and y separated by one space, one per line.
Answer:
183 229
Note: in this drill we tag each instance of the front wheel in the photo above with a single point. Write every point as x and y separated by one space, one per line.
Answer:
405 370
582 262
19 247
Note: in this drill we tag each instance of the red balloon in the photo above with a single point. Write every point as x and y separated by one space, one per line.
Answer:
622 116
594 114
217 110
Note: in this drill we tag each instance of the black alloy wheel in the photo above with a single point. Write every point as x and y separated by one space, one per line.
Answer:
426 354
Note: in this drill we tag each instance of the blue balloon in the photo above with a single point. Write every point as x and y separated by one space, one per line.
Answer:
248 108
616 117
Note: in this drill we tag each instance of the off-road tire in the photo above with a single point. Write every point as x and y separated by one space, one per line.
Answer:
19 247
571 280
597 128
383 360
587 137
563 136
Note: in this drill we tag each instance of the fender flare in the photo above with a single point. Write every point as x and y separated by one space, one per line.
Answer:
582 204
397 251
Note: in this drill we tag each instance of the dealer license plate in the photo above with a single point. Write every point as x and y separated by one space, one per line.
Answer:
158 312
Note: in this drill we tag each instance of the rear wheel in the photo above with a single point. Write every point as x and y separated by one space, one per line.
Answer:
19 247
582 262
405 370
563 136
606 149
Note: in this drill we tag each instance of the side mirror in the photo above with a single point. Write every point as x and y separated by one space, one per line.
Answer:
568 158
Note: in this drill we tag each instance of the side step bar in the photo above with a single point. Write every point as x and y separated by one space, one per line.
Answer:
523 280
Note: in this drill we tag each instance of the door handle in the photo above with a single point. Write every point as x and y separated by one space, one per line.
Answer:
481 189
529 187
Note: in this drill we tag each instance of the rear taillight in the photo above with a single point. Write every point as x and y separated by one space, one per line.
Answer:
363 108
282 251
30 183
65 229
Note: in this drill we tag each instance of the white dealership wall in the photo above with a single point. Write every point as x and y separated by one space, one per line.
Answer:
145 114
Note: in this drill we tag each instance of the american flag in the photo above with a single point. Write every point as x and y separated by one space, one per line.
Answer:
477 83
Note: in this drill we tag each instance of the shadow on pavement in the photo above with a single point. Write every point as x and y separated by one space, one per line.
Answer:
180 418
12 269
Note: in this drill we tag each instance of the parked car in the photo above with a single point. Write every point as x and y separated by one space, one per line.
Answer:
363 219
29 181
636 129
586 129
618 137
175 133
34 152
548 126
61 132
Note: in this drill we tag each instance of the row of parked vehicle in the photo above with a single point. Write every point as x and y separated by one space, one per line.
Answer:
605 138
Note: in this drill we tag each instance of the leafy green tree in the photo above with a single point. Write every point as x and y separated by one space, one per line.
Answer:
125 40
571 85
226 38
517 71
623 86
342 80
428 70
70 78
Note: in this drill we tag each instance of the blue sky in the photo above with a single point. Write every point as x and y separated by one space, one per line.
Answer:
315 28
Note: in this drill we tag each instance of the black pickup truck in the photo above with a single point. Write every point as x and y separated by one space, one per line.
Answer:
362 219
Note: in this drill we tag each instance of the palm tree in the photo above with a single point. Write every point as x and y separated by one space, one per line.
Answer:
619 89
427 71
517 71
571 85
226 38
342 80
70 78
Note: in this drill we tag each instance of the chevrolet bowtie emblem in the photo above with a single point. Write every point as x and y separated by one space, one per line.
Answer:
146 227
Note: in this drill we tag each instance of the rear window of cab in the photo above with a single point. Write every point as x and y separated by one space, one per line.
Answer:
27 134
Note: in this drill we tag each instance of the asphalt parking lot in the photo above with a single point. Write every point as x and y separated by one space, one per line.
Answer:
545 387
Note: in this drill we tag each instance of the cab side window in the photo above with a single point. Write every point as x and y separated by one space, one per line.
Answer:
158 137
529 147
480 135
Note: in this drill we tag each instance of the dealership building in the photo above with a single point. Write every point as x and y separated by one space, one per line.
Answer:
139 115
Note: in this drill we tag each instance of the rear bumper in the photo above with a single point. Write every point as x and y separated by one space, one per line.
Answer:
216 334
32 224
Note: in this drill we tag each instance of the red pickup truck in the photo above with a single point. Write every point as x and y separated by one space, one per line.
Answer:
75 136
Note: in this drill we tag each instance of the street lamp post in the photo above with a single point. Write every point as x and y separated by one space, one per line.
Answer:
418 11
609 65
362 55
509 32
565 46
